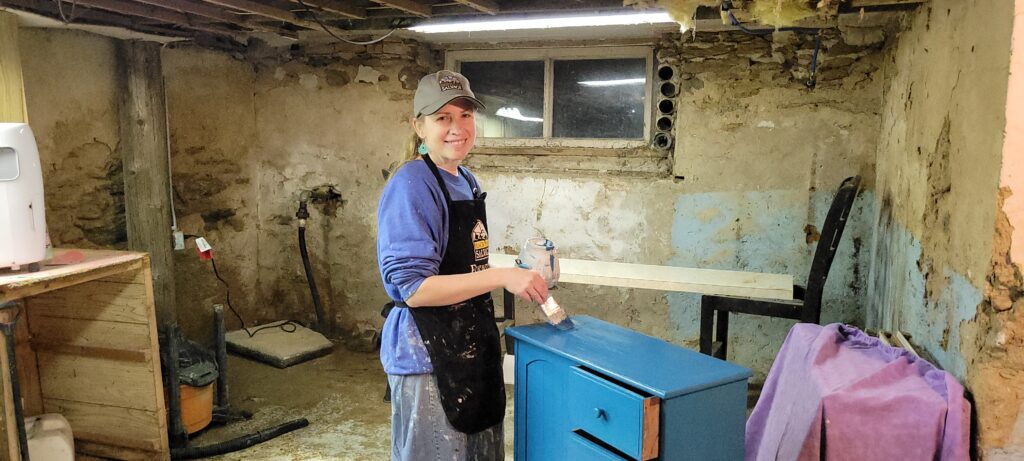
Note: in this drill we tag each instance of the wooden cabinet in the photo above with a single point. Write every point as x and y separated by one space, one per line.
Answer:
603 392
87 349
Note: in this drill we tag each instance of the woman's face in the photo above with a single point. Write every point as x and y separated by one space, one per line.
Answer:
450 132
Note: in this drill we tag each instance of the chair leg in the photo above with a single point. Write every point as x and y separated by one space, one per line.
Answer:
707 323
722 335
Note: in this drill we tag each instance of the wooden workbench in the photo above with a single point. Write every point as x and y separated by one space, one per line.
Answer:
87 349
667 278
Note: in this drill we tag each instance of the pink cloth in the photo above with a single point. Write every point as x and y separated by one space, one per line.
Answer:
837 392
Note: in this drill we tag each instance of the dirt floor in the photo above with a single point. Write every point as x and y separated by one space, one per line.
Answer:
341 395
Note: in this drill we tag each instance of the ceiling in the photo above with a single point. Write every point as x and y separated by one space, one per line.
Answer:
230 22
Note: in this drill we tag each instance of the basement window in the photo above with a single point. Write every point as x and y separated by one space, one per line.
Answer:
563 97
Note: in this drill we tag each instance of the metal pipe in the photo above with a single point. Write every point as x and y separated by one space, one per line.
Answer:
222 356
19 411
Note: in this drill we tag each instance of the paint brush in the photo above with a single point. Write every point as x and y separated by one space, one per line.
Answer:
556 316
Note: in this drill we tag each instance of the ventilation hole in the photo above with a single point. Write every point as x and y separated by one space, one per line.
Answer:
665 123
666 106
668 89
662 141
666 72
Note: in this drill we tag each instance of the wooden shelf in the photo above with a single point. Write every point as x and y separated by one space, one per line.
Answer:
87 349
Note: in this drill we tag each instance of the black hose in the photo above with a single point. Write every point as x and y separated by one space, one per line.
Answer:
239 443
309 279
19 412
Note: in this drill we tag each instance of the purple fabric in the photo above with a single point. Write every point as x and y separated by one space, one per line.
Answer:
837 392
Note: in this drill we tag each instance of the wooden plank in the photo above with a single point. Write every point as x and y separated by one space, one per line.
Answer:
652 429
208 11
408 6
883 337
155 13
155 372
98 423
96 352
112 302
870 3
336 7
487 6
97 381
273 13
903 342
28 371
12 87
98 334
668 278
96 264
103 451
143 148
8 444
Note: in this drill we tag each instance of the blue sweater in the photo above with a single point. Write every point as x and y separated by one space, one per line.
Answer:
412 236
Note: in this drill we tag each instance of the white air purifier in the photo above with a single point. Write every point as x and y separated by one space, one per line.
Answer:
22 214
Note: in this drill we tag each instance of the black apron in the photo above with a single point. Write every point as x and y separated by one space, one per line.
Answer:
462 339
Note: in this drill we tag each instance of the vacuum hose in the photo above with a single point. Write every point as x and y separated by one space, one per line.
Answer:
303 215
239 443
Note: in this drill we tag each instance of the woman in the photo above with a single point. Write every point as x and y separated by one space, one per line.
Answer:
440 345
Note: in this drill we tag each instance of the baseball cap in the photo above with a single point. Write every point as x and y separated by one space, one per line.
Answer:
440 88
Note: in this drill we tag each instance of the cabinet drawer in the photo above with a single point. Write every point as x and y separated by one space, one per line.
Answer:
614 414
583 449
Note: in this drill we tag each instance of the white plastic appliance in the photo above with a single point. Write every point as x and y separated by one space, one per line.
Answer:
22 214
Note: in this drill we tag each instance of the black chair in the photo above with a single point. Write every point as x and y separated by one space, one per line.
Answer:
806 303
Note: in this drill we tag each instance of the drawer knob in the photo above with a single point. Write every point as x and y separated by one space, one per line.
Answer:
599 413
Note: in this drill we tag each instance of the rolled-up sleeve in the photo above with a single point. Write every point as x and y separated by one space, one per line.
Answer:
411 233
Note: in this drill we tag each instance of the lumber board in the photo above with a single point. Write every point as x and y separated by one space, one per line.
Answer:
96 265
135 428
12 92
88 333
98 381
28 372
105 452
112 302
668 278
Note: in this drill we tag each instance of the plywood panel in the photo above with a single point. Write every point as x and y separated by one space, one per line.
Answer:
117 302
28 373
97 381
135 428
89 333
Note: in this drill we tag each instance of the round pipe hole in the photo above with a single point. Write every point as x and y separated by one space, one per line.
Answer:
665 123
668 89
662 141
666 72
667 106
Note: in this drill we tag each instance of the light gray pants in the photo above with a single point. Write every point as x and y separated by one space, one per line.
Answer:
420 431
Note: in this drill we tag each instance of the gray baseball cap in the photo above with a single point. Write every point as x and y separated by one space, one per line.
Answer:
440 88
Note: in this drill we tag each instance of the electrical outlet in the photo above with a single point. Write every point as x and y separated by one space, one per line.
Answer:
179 240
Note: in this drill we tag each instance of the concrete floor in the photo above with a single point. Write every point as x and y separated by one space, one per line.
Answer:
341 395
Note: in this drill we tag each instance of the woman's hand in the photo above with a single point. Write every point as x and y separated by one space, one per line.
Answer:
526 284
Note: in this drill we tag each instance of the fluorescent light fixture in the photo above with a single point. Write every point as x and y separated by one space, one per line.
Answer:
625 81
546 23
513 113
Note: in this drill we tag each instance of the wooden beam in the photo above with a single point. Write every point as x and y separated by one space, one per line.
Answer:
273 13
96 17
208 11
870 3
487 6
143 148
12 92
151 12
408 6
336 7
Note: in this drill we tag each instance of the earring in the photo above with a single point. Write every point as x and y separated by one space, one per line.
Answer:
422 150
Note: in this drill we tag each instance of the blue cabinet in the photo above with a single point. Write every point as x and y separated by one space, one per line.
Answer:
603 392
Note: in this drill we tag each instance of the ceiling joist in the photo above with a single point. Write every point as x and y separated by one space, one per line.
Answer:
160 14
408 6
336 7
272 12
487 6
212 12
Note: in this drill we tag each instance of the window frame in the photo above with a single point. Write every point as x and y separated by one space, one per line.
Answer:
454 58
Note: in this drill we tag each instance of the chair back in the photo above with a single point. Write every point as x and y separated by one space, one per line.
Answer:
831 233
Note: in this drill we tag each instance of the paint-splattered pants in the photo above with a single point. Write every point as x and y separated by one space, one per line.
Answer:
420 430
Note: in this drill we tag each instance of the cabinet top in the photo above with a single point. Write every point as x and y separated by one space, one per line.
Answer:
651 364
68 267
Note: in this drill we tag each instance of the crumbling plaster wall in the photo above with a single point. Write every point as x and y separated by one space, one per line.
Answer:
940 267
760 157
71 94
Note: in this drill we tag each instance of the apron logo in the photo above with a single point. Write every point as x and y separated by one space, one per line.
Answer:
481 249
449 82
